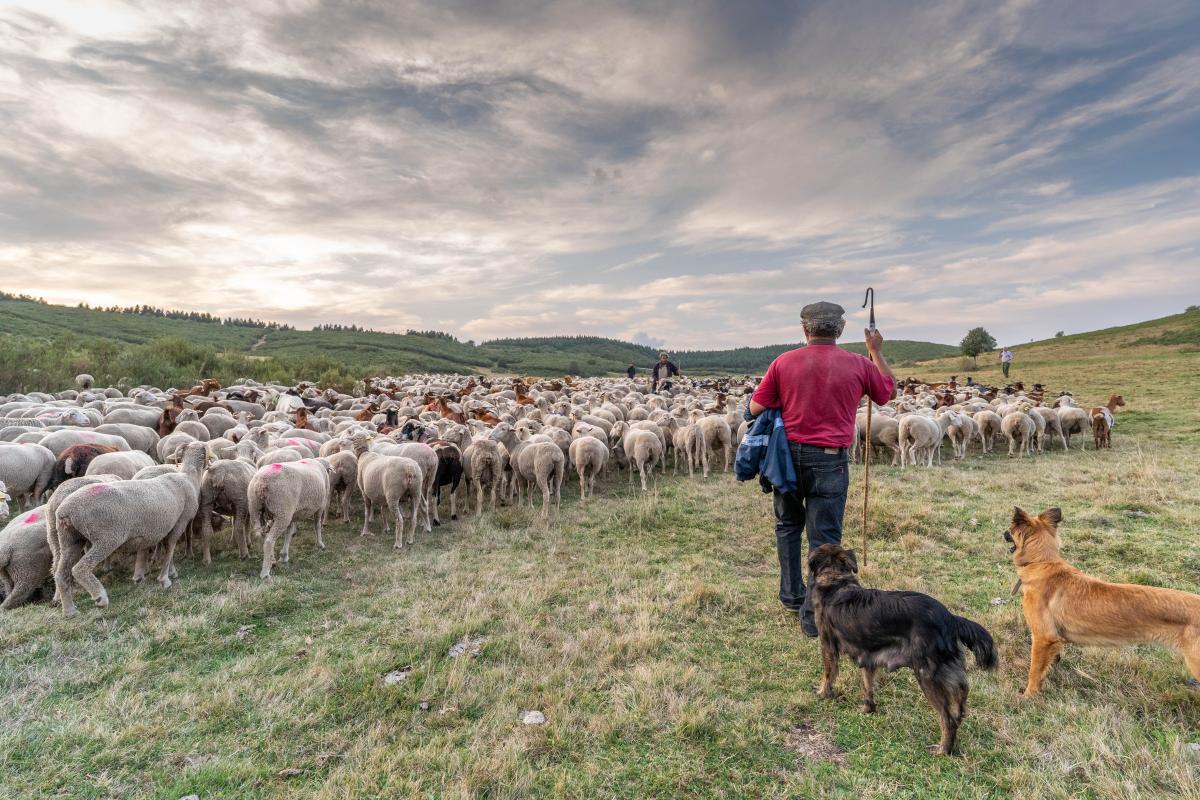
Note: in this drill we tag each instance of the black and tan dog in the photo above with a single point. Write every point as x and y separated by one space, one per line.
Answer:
893 630
1064 605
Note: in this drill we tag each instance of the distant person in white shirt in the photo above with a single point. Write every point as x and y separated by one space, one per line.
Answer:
1005 361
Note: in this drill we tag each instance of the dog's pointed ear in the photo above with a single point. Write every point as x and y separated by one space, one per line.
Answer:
1019 516
1052 516
853 559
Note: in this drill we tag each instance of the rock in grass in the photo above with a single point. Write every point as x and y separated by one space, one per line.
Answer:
467 645
533 718
396 676
190 797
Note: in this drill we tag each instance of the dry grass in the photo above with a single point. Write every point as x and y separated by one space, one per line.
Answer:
646 629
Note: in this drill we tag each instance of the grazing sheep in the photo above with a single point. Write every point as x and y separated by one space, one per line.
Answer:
58 441
56 499
1018 426
449 473
138 437
714 431
282 495
918 435
134 514
686 441
225 490
25 469
389 481
989 424
1053 424
75 460
588 456
543 463
1073 420
485 465
25 558
84 381
343 478
644 449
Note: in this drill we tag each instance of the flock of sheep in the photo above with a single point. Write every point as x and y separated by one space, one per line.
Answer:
915 424
106 476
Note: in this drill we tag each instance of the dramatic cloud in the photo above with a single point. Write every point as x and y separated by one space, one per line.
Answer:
686 174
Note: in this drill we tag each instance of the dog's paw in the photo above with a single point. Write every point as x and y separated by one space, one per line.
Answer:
868 708
937 750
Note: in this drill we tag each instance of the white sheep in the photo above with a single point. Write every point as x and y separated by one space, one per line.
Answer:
542 463
1018 426
588 455
25 558
988 423
920 435
25 469
282 495
644 449
389 481
125 465
135 514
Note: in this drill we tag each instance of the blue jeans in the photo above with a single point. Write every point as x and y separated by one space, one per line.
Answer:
818 505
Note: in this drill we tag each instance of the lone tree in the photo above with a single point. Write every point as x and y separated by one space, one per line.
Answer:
975 342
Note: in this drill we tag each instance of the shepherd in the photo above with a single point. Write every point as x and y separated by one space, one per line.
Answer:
818 388
663 371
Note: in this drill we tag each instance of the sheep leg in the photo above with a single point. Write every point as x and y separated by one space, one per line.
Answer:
287 542
412 531
321 528
544 485
139 566
206 532
84 572
346 503
69 553
272 535
642 472
394 507
168 567
366 528
493 497
241 532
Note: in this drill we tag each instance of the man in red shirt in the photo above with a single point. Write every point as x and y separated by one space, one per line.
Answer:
818 388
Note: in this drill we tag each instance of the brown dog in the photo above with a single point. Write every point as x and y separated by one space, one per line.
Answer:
1064 605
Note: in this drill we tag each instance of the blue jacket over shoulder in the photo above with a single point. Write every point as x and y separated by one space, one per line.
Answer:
765 453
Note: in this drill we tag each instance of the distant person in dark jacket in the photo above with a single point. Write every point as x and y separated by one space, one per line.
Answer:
818 388
631 372
664 370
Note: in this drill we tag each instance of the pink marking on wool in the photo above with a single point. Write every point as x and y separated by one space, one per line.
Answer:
32 518
276 467
304 461
293 442
96 489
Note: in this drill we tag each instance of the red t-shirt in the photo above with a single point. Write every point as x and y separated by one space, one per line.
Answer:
818 388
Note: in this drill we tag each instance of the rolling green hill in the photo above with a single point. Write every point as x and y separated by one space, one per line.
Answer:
45 346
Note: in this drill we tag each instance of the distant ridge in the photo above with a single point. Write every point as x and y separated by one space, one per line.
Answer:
256 348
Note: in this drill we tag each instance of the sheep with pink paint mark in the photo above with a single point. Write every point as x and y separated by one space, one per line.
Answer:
24 557
136 515
284 494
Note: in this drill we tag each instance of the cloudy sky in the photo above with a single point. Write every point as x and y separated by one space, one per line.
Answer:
688 173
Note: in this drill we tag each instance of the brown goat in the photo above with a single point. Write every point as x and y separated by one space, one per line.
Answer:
73 462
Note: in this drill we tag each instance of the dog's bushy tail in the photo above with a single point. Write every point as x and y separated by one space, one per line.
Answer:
976 637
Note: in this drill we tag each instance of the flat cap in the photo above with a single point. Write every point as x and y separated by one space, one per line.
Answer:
815 312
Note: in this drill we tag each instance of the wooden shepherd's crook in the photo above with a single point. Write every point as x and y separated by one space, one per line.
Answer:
869 298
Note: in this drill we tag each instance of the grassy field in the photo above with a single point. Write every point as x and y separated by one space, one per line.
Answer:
647 629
